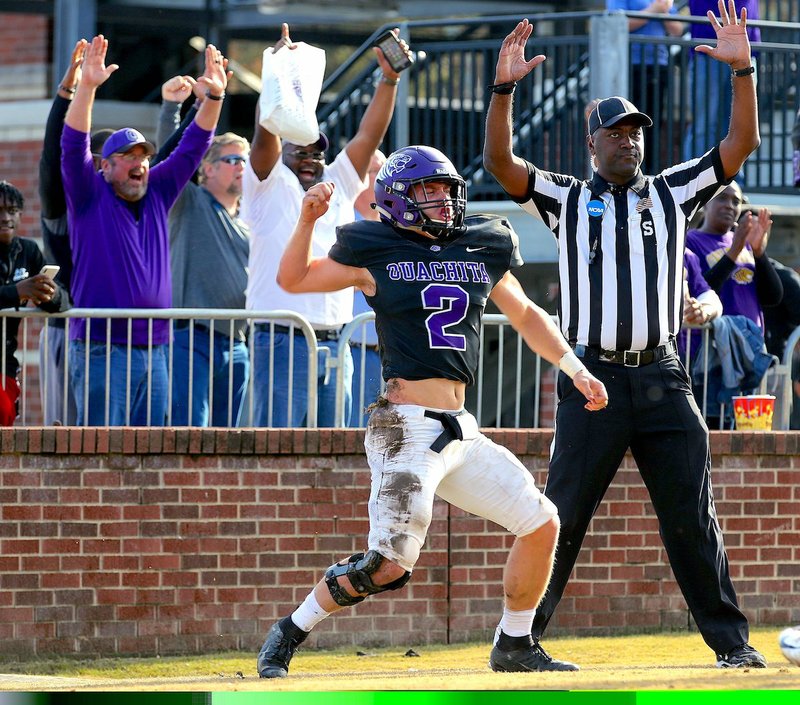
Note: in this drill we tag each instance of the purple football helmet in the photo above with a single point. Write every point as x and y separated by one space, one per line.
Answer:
394 184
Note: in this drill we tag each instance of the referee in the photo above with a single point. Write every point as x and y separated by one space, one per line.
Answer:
621 241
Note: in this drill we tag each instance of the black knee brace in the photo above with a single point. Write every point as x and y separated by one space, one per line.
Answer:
359 570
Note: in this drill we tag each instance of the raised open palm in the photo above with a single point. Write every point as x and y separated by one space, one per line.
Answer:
511 63
733 45
95 71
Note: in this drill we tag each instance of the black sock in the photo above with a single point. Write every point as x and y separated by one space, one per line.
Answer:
513 643
291 630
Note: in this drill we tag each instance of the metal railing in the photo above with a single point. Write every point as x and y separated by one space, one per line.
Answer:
514 387
443 98
35 323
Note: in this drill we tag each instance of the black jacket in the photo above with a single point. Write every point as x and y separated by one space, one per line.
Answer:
20 260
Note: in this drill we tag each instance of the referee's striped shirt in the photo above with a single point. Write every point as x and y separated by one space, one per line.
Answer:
620 249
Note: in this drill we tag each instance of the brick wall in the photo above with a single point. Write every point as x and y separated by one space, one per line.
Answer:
156 541
24 38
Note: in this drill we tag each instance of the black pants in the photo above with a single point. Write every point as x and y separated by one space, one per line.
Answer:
651 411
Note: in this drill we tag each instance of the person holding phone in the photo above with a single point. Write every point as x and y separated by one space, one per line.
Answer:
276 178
22 280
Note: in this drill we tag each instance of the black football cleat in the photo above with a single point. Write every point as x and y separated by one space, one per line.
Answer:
282 640
743 656
531 657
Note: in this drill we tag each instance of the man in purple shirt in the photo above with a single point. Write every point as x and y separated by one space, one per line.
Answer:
120 246
710 93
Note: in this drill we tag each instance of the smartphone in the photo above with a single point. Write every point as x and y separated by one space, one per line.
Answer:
50 270
390 46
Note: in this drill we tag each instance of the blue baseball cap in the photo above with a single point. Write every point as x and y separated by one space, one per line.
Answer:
125 140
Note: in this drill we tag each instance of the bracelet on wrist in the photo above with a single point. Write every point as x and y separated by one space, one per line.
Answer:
503 88
570 364
743 72
211 96
62 87
390 81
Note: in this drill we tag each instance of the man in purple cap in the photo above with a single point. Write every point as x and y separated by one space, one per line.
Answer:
621 240
276 178
120 248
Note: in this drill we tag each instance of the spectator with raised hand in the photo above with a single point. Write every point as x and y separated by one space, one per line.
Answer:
21 281
120 246
55 238
276 179
209 247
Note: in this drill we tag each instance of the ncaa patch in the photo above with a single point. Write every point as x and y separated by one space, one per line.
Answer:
595 209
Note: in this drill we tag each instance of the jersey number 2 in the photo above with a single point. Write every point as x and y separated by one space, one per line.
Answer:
449 304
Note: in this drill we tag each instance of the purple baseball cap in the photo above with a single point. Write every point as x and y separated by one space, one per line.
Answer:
124 140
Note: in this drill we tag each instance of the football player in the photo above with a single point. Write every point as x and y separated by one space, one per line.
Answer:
427 270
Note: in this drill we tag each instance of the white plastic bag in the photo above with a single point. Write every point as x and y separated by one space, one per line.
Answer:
291 84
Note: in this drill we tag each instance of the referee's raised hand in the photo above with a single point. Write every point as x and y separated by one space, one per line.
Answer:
733 45
511 64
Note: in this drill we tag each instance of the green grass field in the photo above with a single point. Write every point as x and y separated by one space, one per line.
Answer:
657 661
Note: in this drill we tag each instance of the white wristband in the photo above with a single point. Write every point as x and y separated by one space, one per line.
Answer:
570 365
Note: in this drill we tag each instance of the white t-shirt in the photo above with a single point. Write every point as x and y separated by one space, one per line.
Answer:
271 208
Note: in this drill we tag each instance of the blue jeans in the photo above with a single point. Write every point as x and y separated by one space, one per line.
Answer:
276 387
51 378
710 102
117 388
372 383
223 362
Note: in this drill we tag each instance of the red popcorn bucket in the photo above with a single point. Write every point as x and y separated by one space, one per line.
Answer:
754 412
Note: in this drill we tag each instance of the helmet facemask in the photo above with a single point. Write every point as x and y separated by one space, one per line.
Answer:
403 192
421 198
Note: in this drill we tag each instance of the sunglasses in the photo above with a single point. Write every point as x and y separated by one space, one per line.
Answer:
232 159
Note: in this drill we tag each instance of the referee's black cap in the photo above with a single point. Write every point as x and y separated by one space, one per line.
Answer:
610 111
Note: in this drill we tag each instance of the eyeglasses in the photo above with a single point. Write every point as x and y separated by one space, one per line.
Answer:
232 159
302 154
131 157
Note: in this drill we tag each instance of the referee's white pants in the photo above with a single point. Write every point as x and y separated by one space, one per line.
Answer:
475 474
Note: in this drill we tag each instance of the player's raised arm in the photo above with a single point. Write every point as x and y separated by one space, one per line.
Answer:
298 271
544 338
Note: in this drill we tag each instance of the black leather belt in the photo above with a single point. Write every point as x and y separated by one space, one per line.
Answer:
452 429
628 358
321 335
